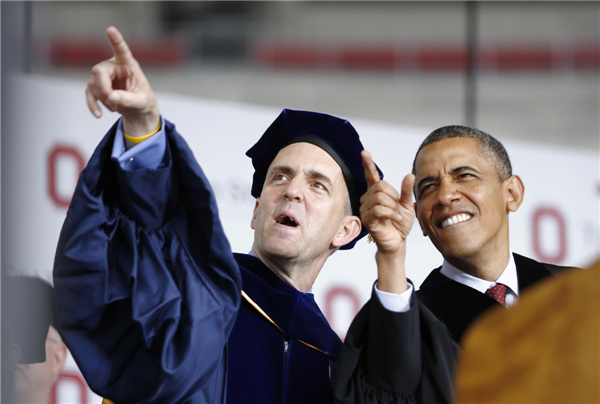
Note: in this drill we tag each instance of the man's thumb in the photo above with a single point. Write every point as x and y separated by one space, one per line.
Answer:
125 99
114 97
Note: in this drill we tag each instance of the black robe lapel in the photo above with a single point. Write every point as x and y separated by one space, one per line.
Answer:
529 271
458 305
453 303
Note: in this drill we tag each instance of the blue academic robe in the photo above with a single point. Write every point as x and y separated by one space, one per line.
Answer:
149 302
267 365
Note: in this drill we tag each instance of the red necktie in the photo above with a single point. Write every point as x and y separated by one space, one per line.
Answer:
498 293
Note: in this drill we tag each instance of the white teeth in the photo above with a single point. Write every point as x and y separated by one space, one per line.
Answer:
283 219
455 219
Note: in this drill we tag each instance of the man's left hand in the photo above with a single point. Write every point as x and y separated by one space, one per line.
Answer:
388 216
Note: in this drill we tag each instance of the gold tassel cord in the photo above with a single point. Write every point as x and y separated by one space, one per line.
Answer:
262 313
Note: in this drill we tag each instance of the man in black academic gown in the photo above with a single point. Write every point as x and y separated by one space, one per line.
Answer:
393 353
149 294
465 190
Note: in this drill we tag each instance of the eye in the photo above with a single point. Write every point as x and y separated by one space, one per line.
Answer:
425 188
466 176
281 177
319 186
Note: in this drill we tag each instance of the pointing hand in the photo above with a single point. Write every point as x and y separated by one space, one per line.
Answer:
120 84
387 215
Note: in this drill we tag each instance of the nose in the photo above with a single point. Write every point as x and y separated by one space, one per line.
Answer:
293 191
448 193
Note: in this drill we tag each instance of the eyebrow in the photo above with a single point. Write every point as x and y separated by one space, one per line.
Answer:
282 169
462 169
320 177
314 174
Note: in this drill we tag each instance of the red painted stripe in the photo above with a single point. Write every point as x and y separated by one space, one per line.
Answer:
74 53
428 58
170 52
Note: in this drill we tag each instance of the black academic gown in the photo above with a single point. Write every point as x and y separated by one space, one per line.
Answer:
393 358
149 295
458 305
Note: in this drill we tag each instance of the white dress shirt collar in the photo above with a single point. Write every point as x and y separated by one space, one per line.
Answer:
508 277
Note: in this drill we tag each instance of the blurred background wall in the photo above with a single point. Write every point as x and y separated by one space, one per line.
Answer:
537 62
526 72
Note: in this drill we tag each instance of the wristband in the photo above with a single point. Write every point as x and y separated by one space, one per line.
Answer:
140 139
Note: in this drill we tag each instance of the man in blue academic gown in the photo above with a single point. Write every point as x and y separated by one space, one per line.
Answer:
156 308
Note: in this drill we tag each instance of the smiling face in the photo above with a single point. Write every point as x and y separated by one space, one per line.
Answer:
301 213
462 205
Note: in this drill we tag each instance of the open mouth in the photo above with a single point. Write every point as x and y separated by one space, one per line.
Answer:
286 220
462 217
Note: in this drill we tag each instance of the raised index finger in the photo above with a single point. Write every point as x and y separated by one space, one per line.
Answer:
371 173
120 48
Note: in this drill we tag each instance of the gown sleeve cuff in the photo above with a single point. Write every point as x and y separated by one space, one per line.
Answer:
398 303
147 154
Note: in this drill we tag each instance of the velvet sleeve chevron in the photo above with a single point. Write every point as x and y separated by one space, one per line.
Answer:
147 289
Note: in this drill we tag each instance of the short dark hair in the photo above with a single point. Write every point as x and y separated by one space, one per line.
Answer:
493 149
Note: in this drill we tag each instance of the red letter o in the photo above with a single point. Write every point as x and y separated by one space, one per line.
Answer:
71 377
55 154
333 294
562 235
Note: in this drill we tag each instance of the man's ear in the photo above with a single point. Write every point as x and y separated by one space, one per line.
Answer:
514 191
419 220
349 230
60 356
253 222
13 355
58 351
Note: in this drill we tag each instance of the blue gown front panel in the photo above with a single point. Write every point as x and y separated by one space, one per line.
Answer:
267 365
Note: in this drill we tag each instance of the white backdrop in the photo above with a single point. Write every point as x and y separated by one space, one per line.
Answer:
51 134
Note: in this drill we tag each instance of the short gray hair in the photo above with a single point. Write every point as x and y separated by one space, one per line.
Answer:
492 148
